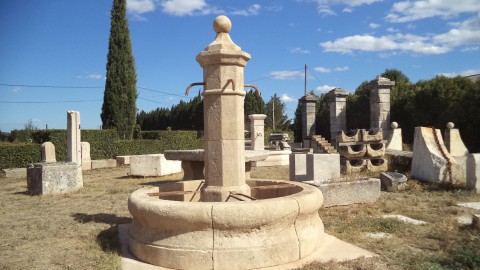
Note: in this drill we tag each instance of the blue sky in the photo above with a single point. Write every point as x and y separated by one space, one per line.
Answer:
64 43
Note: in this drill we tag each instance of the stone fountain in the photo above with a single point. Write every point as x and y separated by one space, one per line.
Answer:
225 221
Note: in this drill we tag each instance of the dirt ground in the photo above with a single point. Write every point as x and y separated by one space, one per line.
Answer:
80 230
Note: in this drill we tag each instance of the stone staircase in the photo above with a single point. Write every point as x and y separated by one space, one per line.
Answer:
321 145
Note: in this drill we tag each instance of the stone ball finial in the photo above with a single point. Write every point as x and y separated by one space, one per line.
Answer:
450 125
394 125
222 24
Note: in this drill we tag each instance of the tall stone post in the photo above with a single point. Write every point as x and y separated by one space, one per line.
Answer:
308 119
74 148
380 103
337 99
257 130
223 63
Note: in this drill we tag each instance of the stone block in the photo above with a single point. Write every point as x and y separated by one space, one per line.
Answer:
348 136
392 181
14 173
122 160
372 135
353 166
473 172
257 130
365 190
48 152
74 151
476 221
224 117
428 162
298 167
53 178
226 162
86 160
352 151
375 150
275 158
153 165
377 165
454 143
323 167
104 163
394 139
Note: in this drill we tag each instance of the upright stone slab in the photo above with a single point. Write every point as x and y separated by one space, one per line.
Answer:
394 137
74 148
308 119
53 178
428 161
223 63
257 130
473 172
86 160
48 152
337 99
454 142
323 168
380 102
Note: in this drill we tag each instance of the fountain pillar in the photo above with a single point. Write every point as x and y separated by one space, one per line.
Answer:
223 63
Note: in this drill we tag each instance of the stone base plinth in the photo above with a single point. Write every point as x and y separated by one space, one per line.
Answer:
104 163
153 165
275 158
54 178
351 192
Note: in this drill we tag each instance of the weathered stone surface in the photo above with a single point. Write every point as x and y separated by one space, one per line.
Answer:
314 167
74 148
86 160
401 160
53 178
257 130
298 167
372 135
14 173
428 162
392 181
337 98
473 172
454 143
352 151
153 165
122 160
104 163
308 116
394 139
348 136
377 165
246 234
406 219
353 166
48 152
476 221
275 158
351 192
375 150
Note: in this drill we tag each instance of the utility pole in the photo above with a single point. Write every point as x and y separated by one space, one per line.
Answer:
273 114
305 87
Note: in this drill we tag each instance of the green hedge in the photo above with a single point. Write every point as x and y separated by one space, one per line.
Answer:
18 155
104 144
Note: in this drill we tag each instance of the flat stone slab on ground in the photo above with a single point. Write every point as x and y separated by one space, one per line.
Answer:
473 205
465 219
104 163
15 173
406 219
333 249
380 235
349 192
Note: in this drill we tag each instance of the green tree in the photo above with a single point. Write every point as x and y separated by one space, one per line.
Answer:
119 107
276 107
254 104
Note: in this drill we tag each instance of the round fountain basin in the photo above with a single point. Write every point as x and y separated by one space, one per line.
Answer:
180 232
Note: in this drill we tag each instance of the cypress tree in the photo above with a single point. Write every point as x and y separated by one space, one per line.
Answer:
119 101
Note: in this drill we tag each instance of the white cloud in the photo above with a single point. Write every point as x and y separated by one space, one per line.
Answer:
299 50
250 11
17 89
374 25
322 69
347 10
287 75
471 49
325 6
91 76
462 73
392 30
324 88
407 11
140 6
397 42
286 98
344 68
325 10
468 32
183 7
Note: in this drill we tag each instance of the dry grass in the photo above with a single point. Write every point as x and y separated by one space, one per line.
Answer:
80 230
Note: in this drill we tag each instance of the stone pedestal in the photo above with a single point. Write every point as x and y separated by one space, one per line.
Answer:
53 178
257 130
86 159
337 99
48 152
74 148
394 137
454 142
473 172
308 119
223 63
380 103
